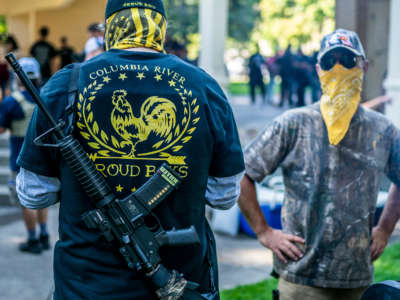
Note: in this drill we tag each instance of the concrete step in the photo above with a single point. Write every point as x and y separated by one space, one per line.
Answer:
4 140
4 156
4 143
4 175
9 214
4 196
4 169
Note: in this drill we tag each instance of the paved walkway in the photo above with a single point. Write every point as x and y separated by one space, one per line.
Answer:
25 276
242 260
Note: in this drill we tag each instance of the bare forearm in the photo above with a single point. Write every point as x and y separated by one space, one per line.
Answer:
250 207
282 244
391 212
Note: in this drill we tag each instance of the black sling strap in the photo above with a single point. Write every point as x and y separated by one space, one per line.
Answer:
72 95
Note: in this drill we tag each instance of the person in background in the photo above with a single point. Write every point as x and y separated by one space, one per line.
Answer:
288 83
95 44
332 155
315 84
181 51
44 52
66 53
256 77
15 114
273 70
302 69
11 45
4 73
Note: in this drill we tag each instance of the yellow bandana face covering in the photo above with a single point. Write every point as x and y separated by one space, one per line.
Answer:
136 27
341 89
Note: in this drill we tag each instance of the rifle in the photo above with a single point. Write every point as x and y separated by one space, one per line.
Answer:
129 221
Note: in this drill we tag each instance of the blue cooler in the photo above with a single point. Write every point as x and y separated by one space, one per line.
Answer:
273 216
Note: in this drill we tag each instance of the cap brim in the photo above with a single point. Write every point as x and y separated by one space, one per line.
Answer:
321 54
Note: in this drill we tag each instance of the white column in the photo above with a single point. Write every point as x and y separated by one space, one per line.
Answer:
213 32
392 83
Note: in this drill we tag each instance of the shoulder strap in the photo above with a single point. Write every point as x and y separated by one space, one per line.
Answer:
72 95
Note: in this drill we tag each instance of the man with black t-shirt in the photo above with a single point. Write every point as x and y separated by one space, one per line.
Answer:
66 52
44 52
137 108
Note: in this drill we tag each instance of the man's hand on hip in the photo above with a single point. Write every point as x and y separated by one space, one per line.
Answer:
379 241
282 244
387 221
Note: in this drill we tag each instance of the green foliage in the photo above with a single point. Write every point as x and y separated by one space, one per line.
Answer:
386 268
183 18
239 88
3 28
243 16
259 291
279 22
297 22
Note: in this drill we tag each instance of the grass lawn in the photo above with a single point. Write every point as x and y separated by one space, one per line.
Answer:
386 268
258 291
242 88
239 88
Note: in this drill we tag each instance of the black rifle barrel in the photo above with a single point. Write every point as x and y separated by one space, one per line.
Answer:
84 169
12 60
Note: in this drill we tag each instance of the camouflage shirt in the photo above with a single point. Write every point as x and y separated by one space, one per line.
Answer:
330 191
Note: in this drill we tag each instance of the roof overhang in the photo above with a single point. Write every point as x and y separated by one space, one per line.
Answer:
17 7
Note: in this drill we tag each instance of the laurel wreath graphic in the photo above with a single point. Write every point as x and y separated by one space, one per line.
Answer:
108 146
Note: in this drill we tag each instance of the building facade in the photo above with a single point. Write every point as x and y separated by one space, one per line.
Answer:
68 18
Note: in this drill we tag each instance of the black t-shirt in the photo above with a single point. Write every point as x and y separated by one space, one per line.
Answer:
66 56
135 111
44 52
255 67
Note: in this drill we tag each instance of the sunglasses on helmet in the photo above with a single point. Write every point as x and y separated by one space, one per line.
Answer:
344 57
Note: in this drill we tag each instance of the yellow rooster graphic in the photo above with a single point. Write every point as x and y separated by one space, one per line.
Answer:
157 115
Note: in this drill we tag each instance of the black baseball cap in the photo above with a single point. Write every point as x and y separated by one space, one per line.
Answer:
341 38
96 27
116 5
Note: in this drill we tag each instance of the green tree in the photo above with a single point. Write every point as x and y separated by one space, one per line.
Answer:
243 17
3 28
298 22
183 18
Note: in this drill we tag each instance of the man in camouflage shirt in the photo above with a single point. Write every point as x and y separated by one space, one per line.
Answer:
332 155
